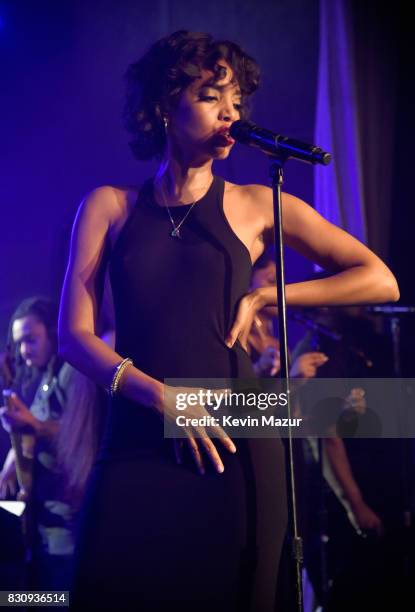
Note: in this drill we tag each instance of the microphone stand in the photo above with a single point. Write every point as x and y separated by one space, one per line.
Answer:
281 148
277 178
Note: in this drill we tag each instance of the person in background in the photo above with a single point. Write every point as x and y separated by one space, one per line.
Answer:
33 344
362 477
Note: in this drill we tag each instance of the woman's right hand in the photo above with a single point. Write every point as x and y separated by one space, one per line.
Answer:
195 436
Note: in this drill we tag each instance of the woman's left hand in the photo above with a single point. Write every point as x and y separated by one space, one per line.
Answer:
248 307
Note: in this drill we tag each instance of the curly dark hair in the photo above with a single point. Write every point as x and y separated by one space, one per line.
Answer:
156 81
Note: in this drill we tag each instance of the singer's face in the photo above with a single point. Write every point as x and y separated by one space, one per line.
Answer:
198 124
32 337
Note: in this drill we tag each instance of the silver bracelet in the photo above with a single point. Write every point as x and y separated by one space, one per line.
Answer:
118 372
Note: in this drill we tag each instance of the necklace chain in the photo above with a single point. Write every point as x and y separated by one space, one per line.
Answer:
175 233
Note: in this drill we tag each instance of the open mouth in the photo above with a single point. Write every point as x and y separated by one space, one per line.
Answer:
224 137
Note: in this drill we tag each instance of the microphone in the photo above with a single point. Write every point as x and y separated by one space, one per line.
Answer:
277 145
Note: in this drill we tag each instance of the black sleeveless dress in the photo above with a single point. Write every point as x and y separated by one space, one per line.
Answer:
155 535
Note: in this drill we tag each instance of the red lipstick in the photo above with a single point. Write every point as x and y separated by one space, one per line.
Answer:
223 135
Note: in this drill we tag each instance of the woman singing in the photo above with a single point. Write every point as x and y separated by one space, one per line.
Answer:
203 532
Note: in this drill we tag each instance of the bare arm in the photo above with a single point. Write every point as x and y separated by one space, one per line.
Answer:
339 461
78 342
337 456
361 277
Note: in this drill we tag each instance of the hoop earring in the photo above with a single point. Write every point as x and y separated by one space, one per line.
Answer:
166 123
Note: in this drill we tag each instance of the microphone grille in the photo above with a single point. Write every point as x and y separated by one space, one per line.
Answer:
240 130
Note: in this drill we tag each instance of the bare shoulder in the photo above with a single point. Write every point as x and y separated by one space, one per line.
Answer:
109 201
259 200
105 209
248 192
254 197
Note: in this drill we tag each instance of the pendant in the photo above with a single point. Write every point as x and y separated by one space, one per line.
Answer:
175 233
